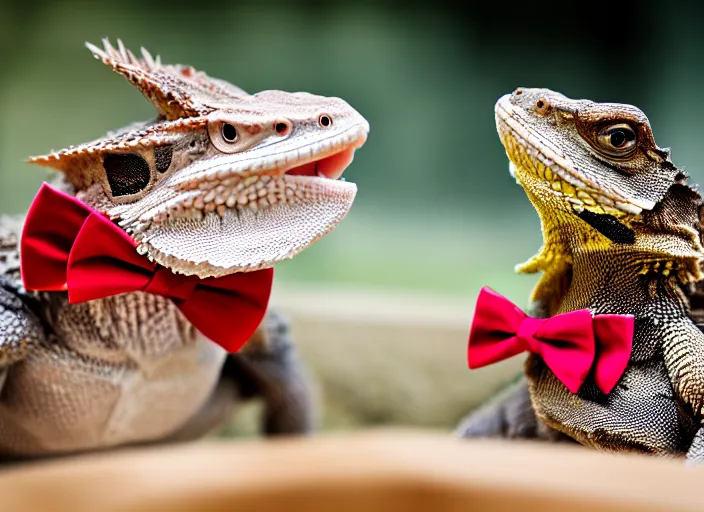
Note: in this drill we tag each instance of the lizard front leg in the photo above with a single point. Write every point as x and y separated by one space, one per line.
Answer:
510 415
269 368
19 328
695 454
684 356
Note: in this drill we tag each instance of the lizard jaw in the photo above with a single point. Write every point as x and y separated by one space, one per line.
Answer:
222 217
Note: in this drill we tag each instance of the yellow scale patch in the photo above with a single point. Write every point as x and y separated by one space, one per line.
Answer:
683 271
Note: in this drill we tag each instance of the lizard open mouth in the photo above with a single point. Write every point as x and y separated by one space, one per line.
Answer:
230 215
330 167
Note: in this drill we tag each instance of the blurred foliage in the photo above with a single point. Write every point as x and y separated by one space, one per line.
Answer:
437 209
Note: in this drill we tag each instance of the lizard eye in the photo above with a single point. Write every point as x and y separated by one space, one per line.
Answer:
229 132
227 136
617 140
230 135
325 120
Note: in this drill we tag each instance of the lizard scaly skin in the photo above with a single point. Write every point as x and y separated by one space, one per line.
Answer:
220 182
620 228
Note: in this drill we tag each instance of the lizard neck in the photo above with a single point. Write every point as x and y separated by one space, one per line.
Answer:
615 282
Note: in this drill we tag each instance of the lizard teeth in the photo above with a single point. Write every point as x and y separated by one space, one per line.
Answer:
632 209
253 194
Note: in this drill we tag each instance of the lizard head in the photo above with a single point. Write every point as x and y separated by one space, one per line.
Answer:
221 181
597 179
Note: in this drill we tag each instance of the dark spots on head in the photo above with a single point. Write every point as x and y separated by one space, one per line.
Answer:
162 158
609 226
680 176
190 146
127 173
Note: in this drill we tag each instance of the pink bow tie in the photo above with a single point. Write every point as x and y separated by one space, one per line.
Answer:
570 343
67 246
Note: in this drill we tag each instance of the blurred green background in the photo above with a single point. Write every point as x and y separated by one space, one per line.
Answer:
437 212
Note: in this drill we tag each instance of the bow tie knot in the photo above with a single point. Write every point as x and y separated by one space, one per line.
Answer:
527 335
571 344
164 282
68 246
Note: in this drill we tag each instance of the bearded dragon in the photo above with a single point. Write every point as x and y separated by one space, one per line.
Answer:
220 182
620 226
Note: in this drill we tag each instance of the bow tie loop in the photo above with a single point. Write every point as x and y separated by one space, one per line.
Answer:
570 344
67 246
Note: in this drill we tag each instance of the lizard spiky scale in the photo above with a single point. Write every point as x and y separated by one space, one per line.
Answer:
72 160
606 152
130 368
176 91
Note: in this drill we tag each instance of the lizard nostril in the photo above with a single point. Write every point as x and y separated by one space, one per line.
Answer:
325 121
282 127
518 92
542 106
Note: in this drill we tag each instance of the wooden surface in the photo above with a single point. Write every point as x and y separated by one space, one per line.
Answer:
366 471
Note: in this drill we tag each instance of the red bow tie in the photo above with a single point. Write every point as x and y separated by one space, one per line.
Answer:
569 343
68 246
